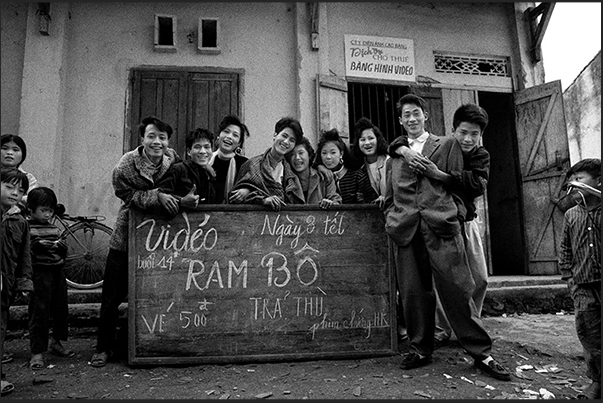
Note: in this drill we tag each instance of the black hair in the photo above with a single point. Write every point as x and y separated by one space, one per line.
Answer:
41 196
235 121
333 136
291 123
196 135
308 146
470 113
361 125
14 175
7 138
592 166
411 99
159 124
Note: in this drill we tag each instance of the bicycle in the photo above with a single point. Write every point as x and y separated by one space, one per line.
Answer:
87 247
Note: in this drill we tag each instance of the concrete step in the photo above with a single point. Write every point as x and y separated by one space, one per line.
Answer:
505 295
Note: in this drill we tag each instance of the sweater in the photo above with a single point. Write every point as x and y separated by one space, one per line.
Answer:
48 250
134 183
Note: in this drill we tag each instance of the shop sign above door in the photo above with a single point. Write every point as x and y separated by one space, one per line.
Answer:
379 57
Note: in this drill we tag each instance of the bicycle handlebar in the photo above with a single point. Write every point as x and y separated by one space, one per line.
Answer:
59 211
90 218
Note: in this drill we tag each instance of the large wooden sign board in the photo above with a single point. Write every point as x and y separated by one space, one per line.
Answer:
246 284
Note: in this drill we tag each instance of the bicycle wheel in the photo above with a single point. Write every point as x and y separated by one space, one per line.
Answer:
87 248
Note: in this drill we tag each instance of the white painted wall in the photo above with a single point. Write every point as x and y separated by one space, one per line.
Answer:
482 29
12 42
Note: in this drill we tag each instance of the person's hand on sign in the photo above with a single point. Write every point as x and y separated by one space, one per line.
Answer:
274 201
190 200
238 196
326 203
168 202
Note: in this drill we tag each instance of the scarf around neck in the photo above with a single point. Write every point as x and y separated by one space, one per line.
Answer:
230 174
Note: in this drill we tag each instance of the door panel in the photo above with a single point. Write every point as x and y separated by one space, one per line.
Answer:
544 160
158 93
213 96
199 103
435 109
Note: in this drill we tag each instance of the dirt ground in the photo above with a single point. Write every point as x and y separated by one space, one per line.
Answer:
542 350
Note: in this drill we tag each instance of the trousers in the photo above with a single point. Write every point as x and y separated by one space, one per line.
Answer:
48 300
430 259
479 271
115 291
587 310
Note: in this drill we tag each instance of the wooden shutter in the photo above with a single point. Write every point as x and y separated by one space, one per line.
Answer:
543 154
333 105
211 97
161 94
435 108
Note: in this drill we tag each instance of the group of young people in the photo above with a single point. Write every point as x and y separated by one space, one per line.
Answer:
425 184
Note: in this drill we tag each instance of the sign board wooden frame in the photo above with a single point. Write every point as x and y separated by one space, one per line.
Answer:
240 283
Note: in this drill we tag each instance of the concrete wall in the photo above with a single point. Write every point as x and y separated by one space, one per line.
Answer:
12 42
67 93
582 101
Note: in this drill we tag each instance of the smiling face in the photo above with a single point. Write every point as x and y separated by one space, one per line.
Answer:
11 154
229 139
468 135
200 152
283 142
154 143
413 120
300 159
368 142
331 155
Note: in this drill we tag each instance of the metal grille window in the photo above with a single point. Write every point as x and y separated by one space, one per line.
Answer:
481 66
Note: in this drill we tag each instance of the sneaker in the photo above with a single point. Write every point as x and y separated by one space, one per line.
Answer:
494 369
414 360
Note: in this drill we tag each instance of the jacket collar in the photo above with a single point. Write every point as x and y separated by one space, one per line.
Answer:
431 145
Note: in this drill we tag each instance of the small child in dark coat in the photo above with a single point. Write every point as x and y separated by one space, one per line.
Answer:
49 299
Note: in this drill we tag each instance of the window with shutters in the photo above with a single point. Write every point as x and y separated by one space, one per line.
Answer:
185 99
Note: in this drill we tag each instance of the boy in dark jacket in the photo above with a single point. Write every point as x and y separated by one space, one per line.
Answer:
191 181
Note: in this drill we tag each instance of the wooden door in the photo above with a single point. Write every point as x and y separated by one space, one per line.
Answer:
186 99
543 153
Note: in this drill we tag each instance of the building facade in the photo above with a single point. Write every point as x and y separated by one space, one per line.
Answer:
78 77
